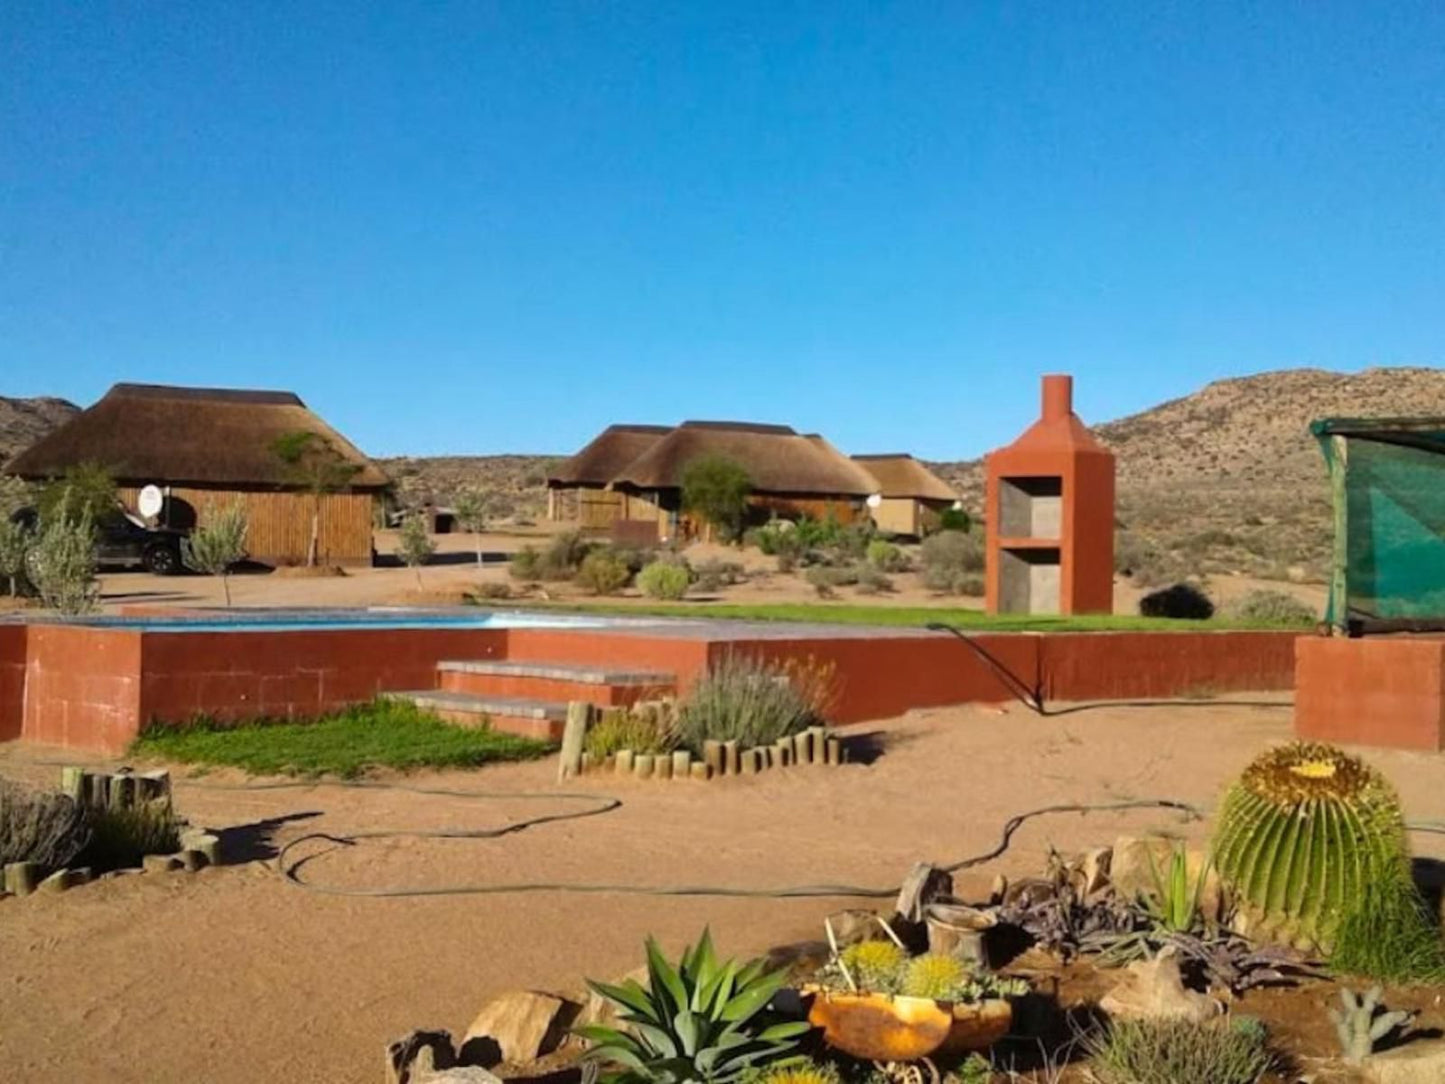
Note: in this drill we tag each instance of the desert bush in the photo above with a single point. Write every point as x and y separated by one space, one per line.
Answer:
753 702
84 489
715 574
16 538
949 558
887 557
664 580
44 827
872 580
415 546
969 585
561 560
603 572
826 579
526 565
214 547
492 590
1178 1051
955 519
61 563
1182 600
121 838
715 489
472 506
619 729
1272 606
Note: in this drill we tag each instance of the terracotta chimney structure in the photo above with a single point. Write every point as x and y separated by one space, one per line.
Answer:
1049 503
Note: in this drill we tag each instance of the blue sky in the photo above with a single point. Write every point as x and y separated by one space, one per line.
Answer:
477 227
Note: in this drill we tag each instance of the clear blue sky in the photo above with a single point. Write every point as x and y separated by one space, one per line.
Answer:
477 227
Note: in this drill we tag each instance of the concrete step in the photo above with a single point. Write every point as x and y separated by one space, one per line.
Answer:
603 686
529 718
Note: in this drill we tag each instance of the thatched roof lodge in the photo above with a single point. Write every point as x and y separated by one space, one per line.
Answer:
206 447
792 475
911 496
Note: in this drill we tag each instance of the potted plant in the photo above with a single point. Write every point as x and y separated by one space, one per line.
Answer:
874 1001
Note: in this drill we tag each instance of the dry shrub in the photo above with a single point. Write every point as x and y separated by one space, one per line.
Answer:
121 838
667 580
44 827
755 702
603 572
621 729
949 559
492 590
1178 1051
1272 606
1181 601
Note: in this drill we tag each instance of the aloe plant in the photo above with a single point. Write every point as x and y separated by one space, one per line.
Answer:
703 1020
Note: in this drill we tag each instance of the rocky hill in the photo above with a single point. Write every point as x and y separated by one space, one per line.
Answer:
1229 479
23 421
1226 479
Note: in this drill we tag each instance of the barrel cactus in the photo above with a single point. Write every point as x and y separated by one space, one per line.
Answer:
1301 834
935 975
875 965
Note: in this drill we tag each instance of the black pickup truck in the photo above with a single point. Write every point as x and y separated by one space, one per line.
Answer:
124 542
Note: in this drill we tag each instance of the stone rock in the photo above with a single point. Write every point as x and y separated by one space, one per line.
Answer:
1419 1062
1152 989
160 863
598 1010
21 878
457 1074
923 885
63 879
524 1025
192 860
418 1055
1092 871
208 843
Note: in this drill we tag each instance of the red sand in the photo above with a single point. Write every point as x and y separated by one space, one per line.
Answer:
231 975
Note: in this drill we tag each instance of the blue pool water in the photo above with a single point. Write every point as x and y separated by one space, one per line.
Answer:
313 620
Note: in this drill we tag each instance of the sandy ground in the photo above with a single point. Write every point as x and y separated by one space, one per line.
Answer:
455 571
232 975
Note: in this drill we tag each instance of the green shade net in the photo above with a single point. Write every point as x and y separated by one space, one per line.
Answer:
1389 493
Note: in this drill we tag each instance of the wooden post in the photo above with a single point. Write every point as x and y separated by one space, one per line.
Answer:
681 764
21 878
730 757
122 791
642 765
154 786
783 753
803 748
662 766
820 744
97 788
72 782
579 714
700 770
712 756
584 764
624 762
835 751
749 761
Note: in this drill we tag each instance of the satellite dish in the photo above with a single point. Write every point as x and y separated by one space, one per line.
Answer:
874 500
150 502
958 506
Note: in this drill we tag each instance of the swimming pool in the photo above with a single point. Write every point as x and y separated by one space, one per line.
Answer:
333 620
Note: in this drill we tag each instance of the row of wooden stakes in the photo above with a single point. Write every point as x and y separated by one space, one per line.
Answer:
123 789
720 758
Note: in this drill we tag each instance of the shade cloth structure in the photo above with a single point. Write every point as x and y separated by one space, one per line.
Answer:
1387 482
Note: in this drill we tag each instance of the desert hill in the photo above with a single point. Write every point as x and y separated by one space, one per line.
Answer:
1226 479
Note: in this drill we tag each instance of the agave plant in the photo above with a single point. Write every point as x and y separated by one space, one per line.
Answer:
704 1020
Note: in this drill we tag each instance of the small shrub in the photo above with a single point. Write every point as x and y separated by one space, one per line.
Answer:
664 580
1183 601
715 574
16 539
969 585
415 546
621 729
887 557
715 489
214 547
955 519
826 579
563 557
872 581
949 558
492 590
121 838
753 702
603 573
44 827
1272 606
526 565
61 563
1175 1051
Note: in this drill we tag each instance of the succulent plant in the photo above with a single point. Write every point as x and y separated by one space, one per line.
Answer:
1357 1024
702 1021
935 975
1301 834
800 1072
875 965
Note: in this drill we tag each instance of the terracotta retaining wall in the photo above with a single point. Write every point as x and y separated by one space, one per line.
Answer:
12 680
1384 690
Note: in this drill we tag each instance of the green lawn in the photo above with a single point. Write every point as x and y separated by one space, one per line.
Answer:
382 734
902 616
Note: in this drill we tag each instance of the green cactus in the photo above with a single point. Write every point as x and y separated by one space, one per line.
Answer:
1301 834
935 975
875 965
1358 1026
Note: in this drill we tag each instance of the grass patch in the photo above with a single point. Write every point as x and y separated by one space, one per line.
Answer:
381 734
909 617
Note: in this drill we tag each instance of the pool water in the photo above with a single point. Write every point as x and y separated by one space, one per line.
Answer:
325 620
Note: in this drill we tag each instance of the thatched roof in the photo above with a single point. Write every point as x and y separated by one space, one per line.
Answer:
900 475
151 433
778 460
607 455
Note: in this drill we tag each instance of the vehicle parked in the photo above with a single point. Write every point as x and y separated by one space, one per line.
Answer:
123 541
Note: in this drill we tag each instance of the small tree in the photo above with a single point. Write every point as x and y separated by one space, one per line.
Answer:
84 489
415 546
16 538
313 463
61 563
216 545
471 509
715 489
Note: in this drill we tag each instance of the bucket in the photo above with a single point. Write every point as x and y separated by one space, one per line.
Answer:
955 929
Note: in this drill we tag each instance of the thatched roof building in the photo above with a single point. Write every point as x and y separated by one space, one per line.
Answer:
209 446
607 455
911 497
